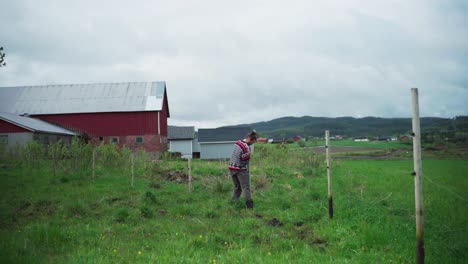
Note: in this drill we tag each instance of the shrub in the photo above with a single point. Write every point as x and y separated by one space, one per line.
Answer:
107 155
146 212
211 214
301 143
213 183
261 182
149 197
33 152
121 215
167 155
80 153
63 179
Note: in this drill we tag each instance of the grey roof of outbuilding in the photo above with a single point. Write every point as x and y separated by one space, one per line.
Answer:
223 134
179 132
34 125
83 98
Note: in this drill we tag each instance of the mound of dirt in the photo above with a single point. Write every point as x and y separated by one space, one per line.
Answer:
177 176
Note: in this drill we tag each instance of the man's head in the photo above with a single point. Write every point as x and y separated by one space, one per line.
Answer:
251 138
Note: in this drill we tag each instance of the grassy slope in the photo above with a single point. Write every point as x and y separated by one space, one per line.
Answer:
81 221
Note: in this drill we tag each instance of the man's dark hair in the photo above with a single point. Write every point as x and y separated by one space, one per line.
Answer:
252 135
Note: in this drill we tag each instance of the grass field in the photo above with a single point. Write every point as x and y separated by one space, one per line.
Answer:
369 144
70 218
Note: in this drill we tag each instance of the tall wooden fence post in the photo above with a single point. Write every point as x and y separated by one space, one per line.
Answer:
418 178
132 159
190 174
330 194
94 163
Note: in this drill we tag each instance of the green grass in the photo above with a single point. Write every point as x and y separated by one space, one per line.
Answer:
70 218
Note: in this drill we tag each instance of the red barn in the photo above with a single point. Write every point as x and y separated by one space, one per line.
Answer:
133 114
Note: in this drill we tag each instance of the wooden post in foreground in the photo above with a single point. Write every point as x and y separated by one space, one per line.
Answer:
190 174
418 178
94 163
330 194
132 158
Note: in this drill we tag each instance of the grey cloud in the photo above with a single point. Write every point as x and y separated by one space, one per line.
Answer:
250 61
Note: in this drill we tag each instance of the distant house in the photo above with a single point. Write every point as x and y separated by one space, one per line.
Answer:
262 140
361 139
384 138
217 143
183 140
405 137
337 137
277 139
19 130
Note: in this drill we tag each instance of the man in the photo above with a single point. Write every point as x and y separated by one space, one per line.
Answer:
239 168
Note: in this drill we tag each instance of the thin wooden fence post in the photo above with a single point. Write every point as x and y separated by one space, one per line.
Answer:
132 158
190 174
54 159
94 163
330 194
418 178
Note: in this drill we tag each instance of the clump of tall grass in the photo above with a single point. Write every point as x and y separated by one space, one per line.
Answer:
214 183
149 197
146 211
260 182
32 153
77 209
121 215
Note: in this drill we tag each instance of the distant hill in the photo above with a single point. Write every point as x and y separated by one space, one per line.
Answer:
308 126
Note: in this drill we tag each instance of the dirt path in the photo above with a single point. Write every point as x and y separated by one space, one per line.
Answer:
349 152
366 153
342 149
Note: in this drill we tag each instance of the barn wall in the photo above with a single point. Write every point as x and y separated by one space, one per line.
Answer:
7 127
151 143
108 124
182 146
47 139
16 139
216 150
195 145
126 126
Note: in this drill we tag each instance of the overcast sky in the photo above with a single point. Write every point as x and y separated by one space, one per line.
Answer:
233 62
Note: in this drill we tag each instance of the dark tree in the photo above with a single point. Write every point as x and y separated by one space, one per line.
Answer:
2 57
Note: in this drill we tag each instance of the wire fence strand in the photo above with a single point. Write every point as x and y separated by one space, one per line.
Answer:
445 188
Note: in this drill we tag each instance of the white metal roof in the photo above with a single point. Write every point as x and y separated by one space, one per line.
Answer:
180 132
33 124
83 98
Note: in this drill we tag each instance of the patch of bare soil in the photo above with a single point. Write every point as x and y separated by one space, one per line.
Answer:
36 209
162 212
274 222
393 154
177 176
115 199
361 153
341 149
155 185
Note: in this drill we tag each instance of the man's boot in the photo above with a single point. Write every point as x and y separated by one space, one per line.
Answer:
250 204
